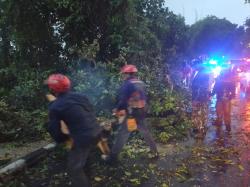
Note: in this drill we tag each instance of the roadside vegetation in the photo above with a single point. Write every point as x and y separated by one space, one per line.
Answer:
89 41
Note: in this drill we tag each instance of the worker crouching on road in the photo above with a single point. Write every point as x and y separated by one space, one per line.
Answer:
132 100
77 112
224 90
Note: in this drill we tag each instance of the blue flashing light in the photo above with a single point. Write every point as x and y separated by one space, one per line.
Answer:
216 71
213 62
215 65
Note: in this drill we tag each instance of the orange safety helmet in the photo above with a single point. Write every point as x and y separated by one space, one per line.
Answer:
58 83
129 68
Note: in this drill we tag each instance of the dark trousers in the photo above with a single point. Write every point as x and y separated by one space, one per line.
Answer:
77 159
223 111
199 115
123 133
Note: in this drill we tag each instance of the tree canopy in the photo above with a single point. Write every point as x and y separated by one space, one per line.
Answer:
213 35
90 40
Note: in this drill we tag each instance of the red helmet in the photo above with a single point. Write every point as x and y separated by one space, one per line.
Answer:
129 69
58 83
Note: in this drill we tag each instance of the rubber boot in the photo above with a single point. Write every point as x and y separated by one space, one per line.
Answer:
228 128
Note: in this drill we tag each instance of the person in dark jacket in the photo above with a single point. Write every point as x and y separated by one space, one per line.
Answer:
77 112
224 91
132 99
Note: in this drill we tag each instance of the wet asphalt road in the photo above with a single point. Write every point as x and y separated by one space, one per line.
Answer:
233 148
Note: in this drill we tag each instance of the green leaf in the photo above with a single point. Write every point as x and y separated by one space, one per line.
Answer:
164 185
98 179
135 181
241 167
128 173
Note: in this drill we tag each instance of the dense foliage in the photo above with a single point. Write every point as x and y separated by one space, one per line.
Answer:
246 41
89 41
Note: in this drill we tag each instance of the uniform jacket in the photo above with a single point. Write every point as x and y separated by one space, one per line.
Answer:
131 94
77 112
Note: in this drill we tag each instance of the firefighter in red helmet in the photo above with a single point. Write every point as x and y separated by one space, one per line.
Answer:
77 112
129 69
132 100
58 83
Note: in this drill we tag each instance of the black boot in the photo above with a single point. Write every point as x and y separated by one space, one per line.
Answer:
217 123
228 128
